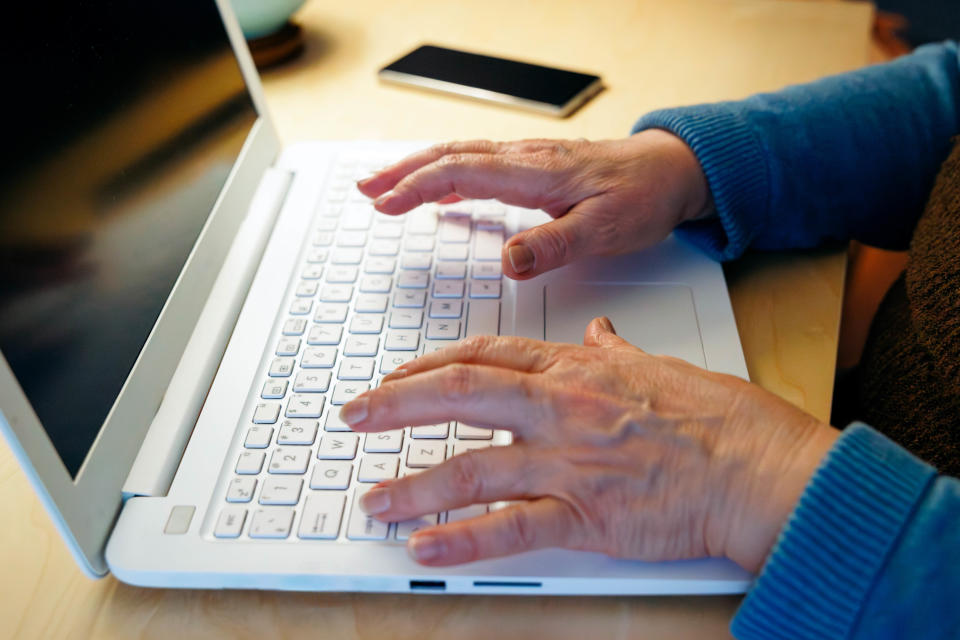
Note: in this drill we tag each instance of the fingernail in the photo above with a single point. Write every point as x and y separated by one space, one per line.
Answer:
382 199
356 411
375 501
425 547
605 321
521 258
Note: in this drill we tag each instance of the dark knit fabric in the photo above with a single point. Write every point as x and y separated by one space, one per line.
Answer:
909 379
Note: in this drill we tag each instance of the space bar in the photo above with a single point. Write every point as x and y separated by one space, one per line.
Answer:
483 318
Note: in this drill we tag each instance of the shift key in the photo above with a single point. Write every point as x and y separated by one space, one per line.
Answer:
483 318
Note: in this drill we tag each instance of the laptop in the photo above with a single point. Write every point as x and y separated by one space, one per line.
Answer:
185 304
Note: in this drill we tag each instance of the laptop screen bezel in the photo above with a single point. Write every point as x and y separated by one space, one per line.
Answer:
84 508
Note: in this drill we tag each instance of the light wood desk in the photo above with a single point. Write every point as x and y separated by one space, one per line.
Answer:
651 54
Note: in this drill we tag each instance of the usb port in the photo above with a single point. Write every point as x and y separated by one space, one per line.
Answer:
428 585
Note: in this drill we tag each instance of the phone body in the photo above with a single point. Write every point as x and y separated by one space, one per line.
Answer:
557 92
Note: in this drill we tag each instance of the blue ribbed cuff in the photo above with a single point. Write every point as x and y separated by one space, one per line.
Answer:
736 169
836 542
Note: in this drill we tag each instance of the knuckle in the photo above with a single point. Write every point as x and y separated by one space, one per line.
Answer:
466 480
556 244
474 347
457 382
521 530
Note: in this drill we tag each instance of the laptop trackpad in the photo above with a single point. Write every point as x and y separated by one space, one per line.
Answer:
658 318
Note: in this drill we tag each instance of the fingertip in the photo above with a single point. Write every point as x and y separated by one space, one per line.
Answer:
521 258
427 548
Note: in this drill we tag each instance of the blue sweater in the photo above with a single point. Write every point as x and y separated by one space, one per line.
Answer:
872 549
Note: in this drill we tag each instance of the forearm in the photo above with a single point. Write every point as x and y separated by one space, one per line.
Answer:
871 551
850 156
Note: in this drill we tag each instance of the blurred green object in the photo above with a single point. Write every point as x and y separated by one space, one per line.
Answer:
259 18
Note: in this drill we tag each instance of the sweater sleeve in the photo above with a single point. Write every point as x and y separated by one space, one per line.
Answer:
872 550
849 156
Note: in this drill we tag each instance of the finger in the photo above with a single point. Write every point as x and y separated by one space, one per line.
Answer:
523 180
551 245
388 177
600 333
476 477
509 352
540 524
475 394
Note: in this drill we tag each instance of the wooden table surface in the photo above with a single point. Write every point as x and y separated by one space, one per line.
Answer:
651 54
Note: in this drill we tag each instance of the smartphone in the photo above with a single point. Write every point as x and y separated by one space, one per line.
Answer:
557 92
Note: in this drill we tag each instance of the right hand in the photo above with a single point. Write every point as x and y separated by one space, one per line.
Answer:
607 197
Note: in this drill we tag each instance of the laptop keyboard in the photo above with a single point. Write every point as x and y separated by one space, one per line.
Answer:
370 293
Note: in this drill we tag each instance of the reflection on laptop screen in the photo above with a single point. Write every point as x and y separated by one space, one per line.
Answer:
123 119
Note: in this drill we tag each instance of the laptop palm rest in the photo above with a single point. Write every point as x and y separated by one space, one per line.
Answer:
658 318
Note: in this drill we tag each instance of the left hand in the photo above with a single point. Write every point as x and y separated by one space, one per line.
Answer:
614 450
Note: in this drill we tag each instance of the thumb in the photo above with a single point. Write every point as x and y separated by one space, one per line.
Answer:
600 333
547 246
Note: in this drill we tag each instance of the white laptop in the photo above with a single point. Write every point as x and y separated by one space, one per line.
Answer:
184 306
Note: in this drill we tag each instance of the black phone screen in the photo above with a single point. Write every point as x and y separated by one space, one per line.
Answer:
523 80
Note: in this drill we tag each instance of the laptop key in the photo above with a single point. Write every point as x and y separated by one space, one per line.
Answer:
307 405
281 491
330 313
371 303
345 391
273 522
467 432
318 358
266 413
376 467
230 522
331 475
341 446
384 442
361 345
297 431
465 513
366 323
281 367
356 369
288 347
250 462
446 308
443 329
406 319
289 460
426 454
322 513
484 288
317 381
294 327
258 437
410 299
324 335
274 389
407 528
402 340
390 361
453 252
430 431
241 489
333 421
360 525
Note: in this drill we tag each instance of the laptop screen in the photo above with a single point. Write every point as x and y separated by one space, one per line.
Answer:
122 121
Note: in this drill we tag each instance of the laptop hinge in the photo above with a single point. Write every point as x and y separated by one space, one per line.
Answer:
159 456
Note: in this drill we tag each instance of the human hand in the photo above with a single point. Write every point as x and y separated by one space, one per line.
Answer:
615 451
607 197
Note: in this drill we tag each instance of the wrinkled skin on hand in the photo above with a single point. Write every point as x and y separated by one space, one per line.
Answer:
607 197
615 450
